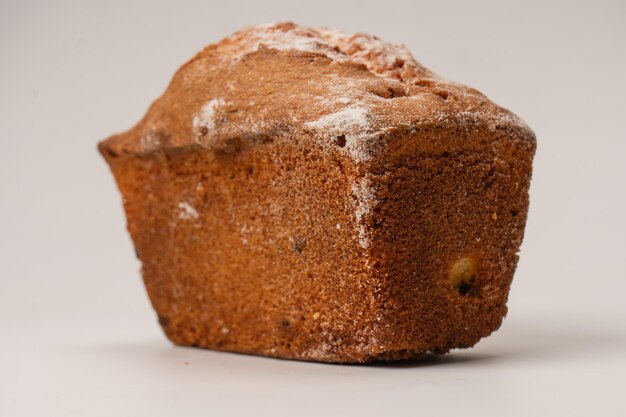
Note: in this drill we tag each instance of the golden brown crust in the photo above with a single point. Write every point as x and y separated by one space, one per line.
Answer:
284 78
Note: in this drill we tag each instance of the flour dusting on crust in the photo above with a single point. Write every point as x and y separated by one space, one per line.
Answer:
389 60
346 119
204 121
284 79
349 124
186 211
366 201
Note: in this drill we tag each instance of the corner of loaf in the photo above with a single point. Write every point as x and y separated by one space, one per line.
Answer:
309 194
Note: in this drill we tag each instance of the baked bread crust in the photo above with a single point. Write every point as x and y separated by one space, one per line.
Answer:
308 194
285 79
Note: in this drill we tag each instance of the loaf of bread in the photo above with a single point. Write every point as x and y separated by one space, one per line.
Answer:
308 194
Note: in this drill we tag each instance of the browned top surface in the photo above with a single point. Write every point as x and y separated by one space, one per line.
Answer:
284 78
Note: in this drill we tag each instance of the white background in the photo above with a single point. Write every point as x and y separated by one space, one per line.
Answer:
77 334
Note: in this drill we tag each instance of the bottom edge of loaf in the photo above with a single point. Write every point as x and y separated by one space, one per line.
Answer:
355 356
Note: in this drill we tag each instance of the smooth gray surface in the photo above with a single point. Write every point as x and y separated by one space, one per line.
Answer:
77 334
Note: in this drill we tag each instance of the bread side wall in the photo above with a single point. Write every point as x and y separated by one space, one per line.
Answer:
447 231
253 250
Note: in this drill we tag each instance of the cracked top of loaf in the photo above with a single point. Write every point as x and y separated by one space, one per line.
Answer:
287 79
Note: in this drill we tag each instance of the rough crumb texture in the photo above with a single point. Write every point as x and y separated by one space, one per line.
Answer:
310 194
